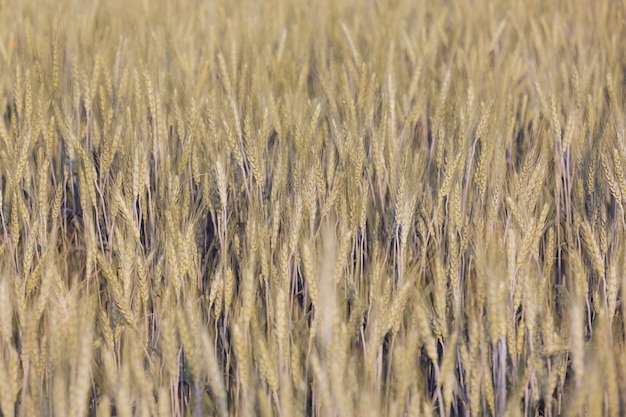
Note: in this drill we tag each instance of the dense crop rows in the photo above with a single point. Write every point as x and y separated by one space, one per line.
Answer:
321 208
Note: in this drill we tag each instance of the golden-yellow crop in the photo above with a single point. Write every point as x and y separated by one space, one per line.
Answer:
312 208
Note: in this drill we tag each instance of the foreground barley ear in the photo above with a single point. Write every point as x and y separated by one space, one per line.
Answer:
215 375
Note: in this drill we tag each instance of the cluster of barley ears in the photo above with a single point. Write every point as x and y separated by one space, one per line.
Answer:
320 208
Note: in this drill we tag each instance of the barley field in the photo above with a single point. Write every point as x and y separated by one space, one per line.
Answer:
312 208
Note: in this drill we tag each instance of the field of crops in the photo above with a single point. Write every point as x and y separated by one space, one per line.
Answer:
312 208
